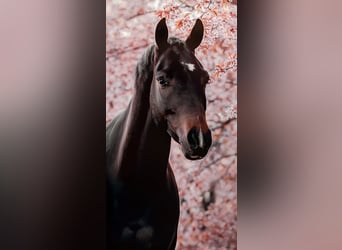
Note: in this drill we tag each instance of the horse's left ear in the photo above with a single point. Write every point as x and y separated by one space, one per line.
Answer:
196 35
161 34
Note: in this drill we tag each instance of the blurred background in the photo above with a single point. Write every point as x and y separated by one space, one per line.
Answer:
208 188
52 80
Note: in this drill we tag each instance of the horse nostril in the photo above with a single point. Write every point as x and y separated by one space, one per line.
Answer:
193 138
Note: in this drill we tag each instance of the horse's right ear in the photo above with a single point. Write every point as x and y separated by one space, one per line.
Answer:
161 34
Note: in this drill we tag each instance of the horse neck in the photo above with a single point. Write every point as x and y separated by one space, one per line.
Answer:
154 150
144 147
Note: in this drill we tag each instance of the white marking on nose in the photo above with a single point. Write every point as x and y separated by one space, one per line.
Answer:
201 138
189 66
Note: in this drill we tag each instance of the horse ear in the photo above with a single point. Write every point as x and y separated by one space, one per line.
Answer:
161 34
196 35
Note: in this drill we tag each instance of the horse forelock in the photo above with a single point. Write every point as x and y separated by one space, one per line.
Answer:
174 41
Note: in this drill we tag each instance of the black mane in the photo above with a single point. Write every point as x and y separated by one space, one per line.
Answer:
144 68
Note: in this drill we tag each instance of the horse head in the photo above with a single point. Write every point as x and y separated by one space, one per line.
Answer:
177 97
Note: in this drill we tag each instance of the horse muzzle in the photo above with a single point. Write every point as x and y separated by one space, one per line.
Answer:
197 144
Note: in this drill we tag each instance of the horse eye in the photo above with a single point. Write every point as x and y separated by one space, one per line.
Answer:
162 81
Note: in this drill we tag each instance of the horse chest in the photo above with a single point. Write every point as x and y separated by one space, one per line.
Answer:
145 217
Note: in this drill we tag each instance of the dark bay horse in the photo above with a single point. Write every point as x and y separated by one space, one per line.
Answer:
168 102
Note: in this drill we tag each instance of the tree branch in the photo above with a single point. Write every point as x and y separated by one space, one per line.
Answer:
140 14
185 4
200 167
115 52
218 159
223 124
207 8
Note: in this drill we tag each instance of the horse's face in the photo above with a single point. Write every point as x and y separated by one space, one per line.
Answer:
178 91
